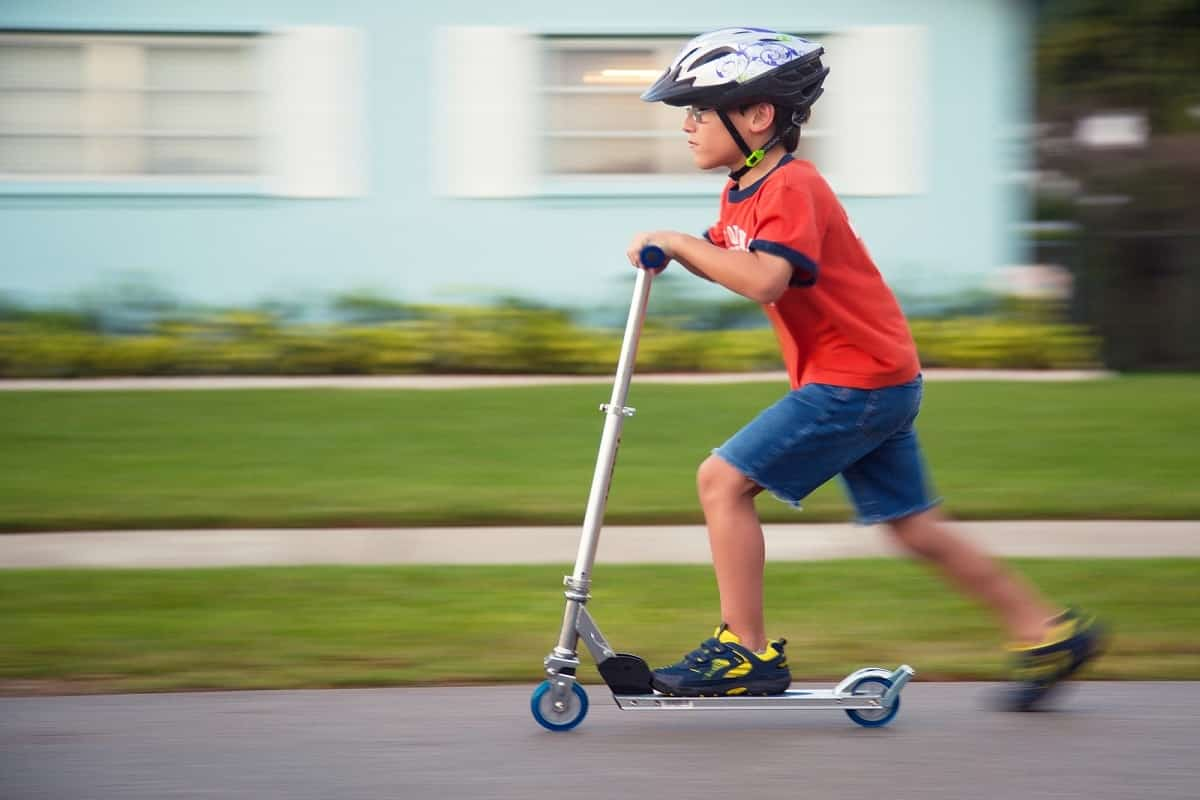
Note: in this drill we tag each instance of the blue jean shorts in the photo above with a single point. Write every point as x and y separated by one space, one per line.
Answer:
819 431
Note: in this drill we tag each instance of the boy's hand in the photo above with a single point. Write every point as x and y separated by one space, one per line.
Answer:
660 239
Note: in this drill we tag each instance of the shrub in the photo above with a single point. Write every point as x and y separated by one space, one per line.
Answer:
491 340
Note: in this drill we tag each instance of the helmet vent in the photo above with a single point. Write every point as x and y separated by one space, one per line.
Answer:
720 52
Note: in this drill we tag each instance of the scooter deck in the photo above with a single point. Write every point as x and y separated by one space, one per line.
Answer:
793 699
841 696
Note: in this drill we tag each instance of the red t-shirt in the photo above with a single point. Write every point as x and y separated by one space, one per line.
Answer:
838 322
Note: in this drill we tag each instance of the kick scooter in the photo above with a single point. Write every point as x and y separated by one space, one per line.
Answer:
869 696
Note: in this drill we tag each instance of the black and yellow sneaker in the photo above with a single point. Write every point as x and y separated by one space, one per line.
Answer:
1074 640
721 666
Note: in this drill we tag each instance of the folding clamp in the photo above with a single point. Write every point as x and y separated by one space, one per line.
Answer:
624 411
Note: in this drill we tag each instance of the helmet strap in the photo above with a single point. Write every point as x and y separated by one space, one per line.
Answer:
752 156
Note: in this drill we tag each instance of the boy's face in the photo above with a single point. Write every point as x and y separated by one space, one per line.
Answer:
711 144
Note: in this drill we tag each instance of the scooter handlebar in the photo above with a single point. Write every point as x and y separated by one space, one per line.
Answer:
652 257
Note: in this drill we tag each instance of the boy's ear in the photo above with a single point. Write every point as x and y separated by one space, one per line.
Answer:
764 117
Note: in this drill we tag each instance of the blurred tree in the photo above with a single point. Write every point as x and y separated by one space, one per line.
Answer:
1136 259
1096 54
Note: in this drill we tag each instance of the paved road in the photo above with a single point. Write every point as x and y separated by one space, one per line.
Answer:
1114 741
677 544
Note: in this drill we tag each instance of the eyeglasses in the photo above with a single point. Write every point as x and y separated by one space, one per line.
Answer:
697 113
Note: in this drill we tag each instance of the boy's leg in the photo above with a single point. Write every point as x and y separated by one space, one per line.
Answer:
1051 647
1025 613
790 448
888 486
737 659
736 539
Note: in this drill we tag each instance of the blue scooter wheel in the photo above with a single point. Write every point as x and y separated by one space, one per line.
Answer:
872 718
558 719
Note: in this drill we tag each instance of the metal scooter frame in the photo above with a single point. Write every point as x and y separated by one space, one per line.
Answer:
626 675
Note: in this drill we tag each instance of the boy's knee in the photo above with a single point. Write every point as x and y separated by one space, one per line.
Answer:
716 480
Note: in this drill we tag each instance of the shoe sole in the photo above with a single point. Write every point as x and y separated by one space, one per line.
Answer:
1031 703
758 689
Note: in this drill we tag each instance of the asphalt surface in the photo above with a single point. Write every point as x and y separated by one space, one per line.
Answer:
1110 740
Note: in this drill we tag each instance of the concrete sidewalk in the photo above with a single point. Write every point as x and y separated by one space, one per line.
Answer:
493 381
674 544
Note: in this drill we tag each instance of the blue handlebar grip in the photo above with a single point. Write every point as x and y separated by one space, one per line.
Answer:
652 257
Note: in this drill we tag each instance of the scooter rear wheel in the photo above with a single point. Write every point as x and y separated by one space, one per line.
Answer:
873 718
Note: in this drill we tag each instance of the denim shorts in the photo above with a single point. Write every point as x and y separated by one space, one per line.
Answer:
819 431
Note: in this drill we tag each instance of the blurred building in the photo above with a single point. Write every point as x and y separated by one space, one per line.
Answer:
233 152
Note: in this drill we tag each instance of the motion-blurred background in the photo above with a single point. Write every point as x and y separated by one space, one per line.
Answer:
254 172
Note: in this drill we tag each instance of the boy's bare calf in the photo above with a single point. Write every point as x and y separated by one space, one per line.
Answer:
736 539
928 535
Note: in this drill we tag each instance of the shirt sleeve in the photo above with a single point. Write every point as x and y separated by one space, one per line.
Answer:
715 235
787 227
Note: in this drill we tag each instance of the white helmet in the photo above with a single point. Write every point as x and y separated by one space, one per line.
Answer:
737 66
734 67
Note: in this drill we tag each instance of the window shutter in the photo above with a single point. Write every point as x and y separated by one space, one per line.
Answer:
485 112
874 108
314 113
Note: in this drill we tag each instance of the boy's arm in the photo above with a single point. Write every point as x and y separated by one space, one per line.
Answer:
761 277
692 268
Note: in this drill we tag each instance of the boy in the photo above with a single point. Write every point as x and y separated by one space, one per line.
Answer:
783 240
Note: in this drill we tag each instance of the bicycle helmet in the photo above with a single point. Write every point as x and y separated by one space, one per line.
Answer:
734 67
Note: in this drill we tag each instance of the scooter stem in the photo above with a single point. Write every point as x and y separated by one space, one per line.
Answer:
615 413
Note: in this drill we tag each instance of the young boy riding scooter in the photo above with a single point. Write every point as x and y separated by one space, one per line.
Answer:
784 240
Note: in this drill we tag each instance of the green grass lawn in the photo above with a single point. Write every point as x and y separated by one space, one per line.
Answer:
148 630
1122 448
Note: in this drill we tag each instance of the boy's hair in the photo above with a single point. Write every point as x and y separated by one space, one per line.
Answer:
789 131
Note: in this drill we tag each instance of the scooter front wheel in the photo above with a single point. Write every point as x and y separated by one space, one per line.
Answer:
573 708
871 718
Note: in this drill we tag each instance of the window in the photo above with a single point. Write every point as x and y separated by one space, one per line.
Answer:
107 104
277 112
113 106
564 118
594 122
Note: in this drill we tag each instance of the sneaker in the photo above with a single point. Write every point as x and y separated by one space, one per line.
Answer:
721 666
1074 640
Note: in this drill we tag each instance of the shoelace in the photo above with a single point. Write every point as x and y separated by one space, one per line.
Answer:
704 653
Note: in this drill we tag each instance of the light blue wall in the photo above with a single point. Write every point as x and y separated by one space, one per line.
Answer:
403 240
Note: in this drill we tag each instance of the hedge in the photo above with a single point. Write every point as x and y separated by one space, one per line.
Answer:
485 340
